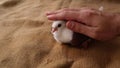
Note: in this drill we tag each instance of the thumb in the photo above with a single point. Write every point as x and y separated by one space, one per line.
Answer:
80 28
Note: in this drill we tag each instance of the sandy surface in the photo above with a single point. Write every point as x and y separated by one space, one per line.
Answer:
26 41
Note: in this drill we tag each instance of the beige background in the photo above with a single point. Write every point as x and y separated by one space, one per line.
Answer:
26 41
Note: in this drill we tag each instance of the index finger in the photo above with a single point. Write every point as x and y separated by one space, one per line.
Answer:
61 10
65 15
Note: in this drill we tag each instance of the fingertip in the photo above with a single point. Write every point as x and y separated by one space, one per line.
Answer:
51 12
67 24
70 24
50 17
47 13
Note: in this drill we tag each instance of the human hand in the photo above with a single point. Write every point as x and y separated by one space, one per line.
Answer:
91 22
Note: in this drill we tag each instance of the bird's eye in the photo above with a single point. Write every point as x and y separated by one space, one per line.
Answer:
59 25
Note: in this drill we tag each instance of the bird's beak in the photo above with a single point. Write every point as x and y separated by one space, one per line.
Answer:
54 29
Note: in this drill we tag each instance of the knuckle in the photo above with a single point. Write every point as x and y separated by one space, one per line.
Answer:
79 28
64 14
86 13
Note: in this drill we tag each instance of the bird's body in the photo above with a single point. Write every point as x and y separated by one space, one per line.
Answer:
64 35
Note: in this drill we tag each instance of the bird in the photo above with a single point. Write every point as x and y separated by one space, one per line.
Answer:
66 36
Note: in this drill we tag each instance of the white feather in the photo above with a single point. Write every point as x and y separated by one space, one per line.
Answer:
63 35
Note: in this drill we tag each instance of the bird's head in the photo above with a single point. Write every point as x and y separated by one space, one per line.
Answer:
58 26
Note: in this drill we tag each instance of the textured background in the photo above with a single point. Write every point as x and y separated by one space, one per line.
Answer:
26 41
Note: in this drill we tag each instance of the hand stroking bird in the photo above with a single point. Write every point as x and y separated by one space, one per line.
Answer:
66 36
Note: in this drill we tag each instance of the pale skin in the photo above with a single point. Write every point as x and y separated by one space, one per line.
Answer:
96 24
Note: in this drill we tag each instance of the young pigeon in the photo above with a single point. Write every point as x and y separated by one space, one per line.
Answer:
64 35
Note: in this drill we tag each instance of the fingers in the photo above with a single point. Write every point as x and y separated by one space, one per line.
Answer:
80 28
54 12
58 11
83 15
65 15
67 9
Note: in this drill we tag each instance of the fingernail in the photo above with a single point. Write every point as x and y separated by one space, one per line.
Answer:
71 25
50 17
